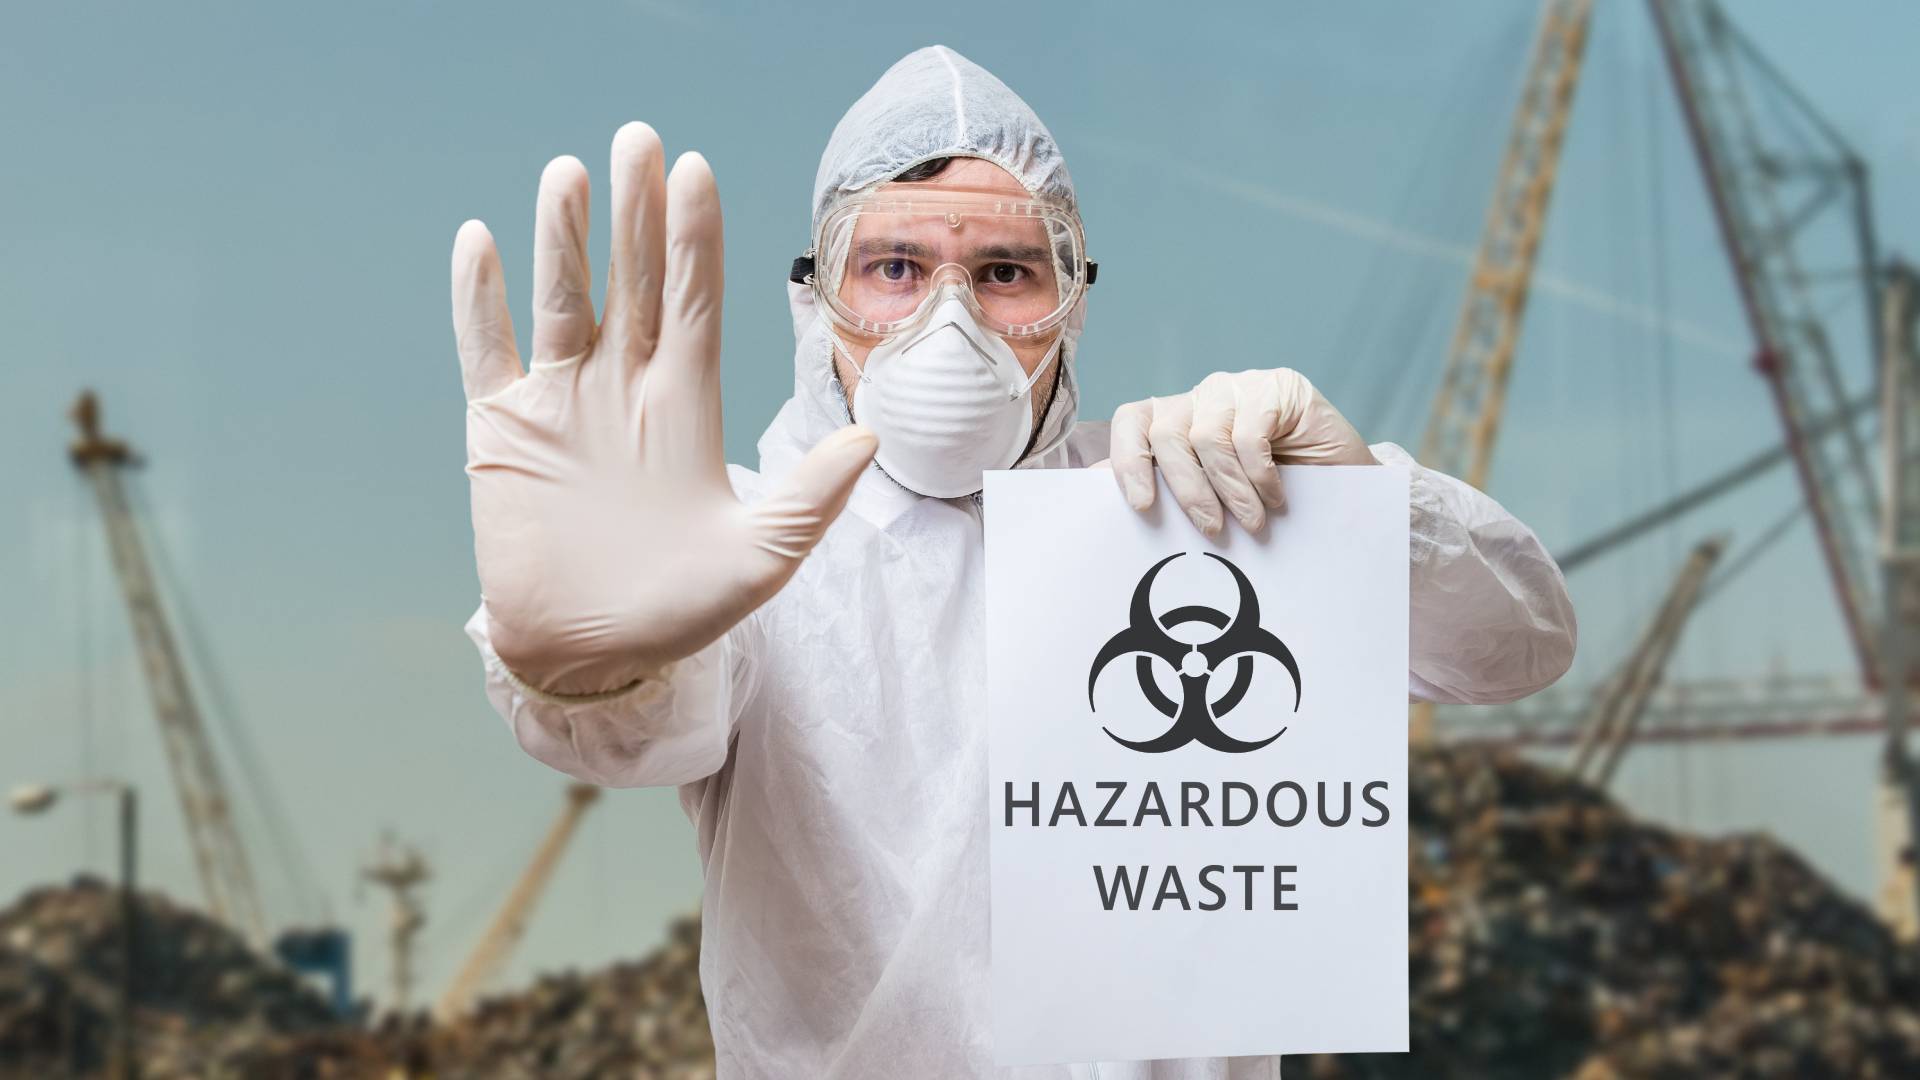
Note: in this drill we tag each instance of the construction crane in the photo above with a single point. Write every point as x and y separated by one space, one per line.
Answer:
226 875
509 924
1780 710
1770 184
1615 717
220 857
1777 173
1473 386
1768 188
400 870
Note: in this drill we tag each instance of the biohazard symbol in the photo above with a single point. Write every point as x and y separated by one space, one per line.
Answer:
1195 718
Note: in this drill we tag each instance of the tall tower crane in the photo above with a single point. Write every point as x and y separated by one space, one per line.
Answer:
220 857
226 875
509 924
1473 386
1773 168
1769 185
1777 174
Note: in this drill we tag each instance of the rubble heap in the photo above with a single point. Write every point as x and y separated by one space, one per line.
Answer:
644 1019
201 995
1551 936
641 1020
41 1018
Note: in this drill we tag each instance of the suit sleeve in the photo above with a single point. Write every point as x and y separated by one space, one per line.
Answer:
1490 617
671 729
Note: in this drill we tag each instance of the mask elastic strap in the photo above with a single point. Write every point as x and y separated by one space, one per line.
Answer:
1067 388
833 336
1046 362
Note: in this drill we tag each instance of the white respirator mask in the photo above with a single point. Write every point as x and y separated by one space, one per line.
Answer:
948 401
943 280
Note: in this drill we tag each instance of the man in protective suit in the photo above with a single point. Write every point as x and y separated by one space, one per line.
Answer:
800 648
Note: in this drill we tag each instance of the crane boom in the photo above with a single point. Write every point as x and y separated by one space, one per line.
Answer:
1615 717
1466 413
510 922
225 874
1766 194
1697 496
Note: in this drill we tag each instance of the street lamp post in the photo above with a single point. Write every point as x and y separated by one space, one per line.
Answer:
37 798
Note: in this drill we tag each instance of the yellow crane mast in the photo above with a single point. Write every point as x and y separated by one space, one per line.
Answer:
1473 386
509 924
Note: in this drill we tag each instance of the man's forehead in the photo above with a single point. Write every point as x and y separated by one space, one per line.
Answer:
976 174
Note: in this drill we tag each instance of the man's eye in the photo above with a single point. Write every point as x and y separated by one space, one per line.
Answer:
1004 274
895 269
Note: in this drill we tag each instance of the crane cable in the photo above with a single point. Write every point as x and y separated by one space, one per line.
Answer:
83 670
1357 347
288 853
1659 282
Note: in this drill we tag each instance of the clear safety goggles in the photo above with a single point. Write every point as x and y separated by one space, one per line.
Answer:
881 262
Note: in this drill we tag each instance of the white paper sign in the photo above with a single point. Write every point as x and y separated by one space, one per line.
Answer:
1197 761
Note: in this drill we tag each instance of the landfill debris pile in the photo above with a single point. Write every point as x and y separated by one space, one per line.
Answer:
40 1017
1785 1037
641 1020
645 1019
1551 935
202 995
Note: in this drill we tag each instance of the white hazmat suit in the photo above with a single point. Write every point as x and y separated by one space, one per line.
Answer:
830 749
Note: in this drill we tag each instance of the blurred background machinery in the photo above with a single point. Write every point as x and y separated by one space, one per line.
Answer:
206 802
400 870
1781 181
509 924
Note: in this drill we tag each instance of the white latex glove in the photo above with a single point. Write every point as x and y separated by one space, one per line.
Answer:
1219 442
608 538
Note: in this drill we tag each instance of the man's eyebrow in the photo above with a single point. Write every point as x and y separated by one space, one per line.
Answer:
1012 253
878 245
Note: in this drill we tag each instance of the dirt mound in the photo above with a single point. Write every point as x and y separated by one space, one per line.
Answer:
1551 936
200 994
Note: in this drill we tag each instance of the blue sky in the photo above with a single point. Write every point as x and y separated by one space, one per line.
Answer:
234 220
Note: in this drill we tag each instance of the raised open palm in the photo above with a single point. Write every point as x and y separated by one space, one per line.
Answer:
608 539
